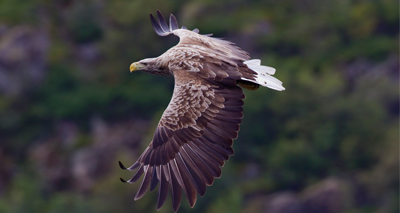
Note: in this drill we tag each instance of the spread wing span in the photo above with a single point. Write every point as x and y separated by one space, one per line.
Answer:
192 141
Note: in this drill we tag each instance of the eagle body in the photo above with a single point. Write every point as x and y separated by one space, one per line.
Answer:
195 134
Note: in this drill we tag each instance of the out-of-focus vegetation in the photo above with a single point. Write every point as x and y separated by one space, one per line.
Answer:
70 109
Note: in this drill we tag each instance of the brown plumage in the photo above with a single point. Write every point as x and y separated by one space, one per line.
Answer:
195 134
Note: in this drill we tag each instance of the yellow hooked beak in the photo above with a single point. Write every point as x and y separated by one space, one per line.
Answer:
136 66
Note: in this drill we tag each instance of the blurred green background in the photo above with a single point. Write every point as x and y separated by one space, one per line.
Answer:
70 109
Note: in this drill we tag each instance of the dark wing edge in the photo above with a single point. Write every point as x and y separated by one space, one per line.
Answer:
190 157
161 27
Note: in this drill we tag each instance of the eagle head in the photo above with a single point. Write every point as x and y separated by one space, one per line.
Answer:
148 64
153 66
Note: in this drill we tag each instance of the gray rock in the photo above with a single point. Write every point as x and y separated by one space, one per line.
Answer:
326 196
283 202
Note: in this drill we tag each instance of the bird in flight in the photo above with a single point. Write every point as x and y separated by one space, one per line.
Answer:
195 135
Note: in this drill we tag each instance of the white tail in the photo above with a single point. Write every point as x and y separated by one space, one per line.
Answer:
264 73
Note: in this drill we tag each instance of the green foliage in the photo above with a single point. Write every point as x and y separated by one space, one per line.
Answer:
28 197
20 11
62 96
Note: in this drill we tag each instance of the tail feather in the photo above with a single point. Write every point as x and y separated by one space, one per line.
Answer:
255 64
263 76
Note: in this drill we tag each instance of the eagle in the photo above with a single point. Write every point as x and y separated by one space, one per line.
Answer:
195 134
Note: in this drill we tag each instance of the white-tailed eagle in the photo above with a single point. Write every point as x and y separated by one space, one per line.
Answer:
195 134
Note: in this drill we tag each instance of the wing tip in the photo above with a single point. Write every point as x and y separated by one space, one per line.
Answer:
161 27
173 23
121 165
133 167
122 180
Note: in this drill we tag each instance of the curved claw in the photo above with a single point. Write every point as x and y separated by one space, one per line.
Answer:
122 180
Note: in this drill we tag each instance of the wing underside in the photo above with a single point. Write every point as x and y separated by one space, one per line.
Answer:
192 141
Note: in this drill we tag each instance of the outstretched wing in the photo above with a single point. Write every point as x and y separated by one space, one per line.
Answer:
194 136
222 48
253 73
